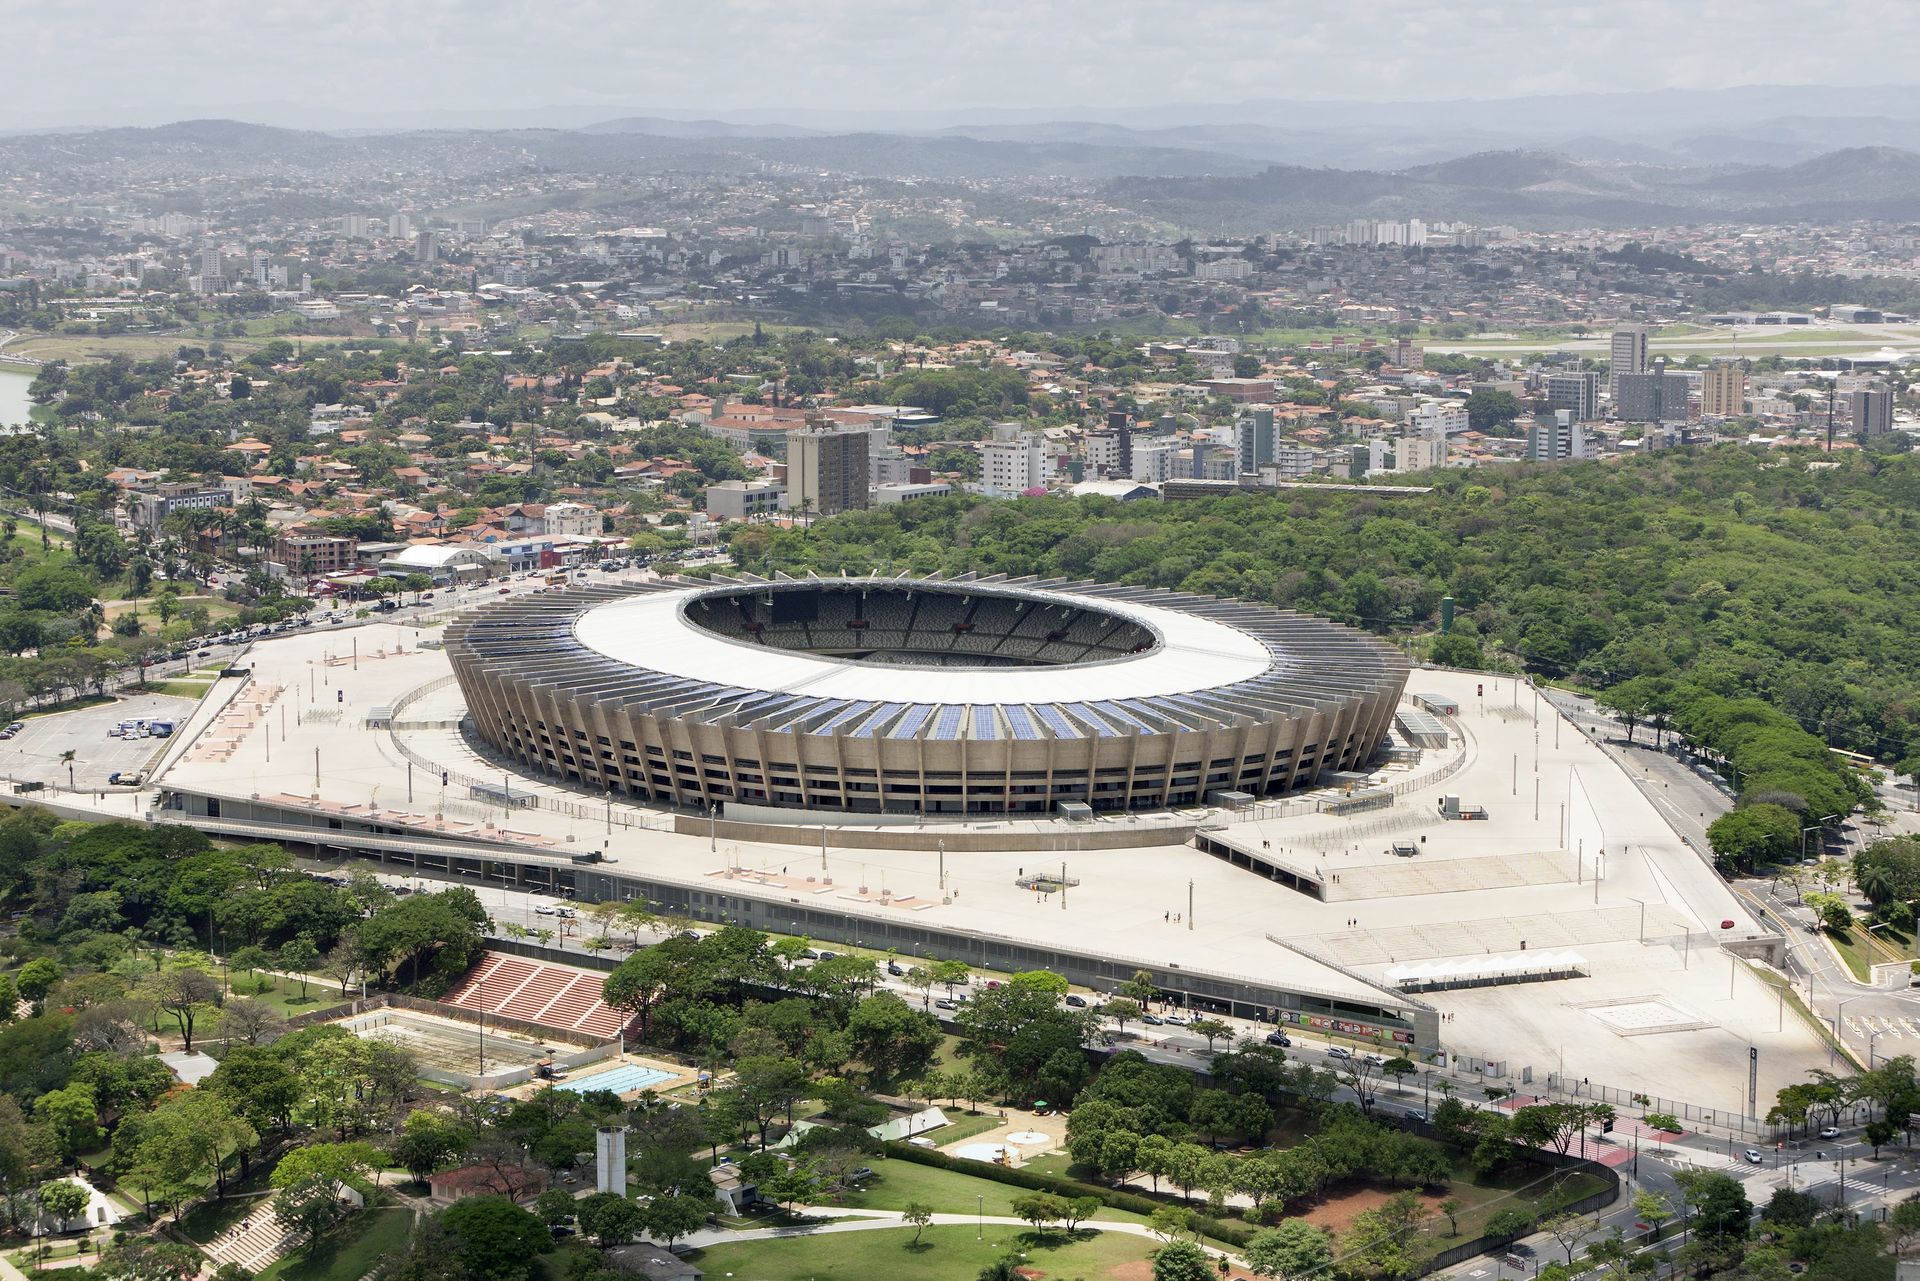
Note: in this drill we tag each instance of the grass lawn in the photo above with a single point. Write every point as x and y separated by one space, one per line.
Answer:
283 994
965 1127
180 689
947 1191
945 1252
350 1252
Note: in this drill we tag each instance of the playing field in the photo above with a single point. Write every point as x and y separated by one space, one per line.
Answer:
449 1046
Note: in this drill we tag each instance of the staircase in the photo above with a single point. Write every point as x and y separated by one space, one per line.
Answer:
256 1241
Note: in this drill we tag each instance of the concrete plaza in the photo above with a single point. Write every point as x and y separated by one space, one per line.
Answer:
1571 856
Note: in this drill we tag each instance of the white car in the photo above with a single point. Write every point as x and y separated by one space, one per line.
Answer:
1753 1157
1831 1132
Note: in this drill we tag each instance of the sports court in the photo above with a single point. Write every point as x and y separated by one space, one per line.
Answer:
461 1048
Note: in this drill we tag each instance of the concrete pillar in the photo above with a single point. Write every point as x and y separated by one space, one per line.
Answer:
610 1159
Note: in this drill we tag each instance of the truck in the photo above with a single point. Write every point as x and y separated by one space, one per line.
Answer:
160 729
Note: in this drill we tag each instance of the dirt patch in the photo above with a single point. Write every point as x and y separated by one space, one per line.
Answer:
1337 1211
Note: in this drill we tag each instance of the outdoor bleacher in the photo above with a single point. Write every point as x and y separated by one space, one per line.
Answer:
556 996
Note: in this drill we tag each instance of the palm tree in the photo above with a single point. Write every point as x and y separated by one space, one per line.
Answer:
66 759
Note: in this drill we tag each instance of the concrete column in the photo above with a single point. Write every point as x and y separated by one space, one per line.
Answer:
610 1159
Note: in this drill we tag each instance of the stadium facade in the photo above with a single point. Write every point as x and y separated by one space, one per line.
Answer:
921 695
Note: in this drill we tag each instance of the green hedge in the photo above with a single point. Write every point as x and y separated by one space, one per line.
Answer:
1235 1234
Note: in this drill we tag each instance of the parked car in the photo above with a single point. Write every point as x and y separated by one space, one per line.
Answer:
1831 1132
1077 1002
1279 1038
1152 1020
1339 1052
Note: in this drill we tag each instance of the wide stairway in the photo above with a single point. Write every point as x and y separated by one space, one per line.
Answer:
256 1241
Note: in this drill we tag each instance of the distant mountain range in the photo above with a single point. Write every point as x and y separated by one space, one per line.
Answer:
1206 177
1540 189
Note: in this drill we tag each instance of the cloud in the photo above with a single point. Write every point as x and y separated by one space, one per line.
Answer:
98 61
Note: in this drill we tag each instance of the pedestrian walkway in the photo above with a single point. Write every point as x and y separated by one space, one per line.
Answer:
256 1241
878 1220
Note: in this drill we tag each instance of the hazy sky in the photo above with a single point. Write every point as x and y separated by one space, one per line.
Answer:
141 62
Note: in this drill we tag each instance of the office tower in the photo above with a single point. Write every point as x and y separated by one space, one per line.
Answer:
1577 393
1120 423
1556 438
1254 440
399 226
1723 390
1871 411
212 276
262 269
426 248
827 468
1629 356
1653 397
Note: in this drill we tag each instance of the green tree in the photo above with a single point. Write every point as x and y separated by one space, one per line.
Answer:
1182 1261
496 1239
1293 1249
610 1219
64 1200
918 1215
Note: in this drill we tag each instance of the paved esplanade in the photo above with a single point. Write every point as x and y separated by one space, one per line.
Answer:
1672 1015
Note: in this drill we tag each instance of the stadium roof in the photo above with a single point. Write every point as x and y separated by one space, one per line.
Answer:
1193 653
1216 664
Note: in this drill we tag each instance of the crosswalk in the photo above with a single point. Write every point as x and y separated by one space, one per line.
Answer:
1882 1025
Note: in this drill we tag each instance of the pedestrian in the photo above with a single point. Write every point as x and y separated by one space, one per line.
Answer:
1167 915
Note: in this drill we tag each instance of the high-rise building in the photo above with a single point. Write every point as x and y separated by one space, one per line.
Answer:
1014 460
1556 438
827 468
399 226
1578 393
1628 356
1870 409
212 270
1723 390
1653 397
262 269
1420 453
1254 440
426 248
1120 423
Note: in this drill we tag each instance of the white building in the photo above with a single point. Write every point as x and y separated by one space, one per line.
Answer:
1438 419
1420 453
1559 438
573 520
906 492
1014 460
1156 461
1627 355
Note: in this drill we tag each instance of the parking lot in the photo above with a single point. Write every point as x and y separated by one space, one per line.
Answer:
34 753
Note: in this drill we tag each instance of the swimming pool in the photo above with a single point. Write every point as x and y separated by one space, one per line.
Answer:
624 1079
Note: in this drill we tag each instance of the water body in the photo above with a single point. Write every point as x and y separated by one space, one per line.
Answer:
14 405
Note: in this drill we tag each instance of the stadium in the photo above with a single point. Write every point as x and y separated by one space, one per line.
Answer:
921 695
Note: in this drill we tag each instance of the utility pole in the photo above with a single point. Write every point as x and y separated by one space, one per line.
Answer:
942 846
1189 905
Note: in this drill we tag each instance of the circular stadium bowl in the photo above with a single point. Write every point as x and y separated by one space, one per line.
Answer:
920 695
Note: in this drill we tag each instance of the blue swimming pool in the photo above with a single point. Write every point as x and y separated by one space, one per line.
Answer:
621 1080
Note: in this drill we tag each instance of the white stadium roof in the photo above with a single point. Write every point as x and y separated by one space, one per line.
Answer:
1194 653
